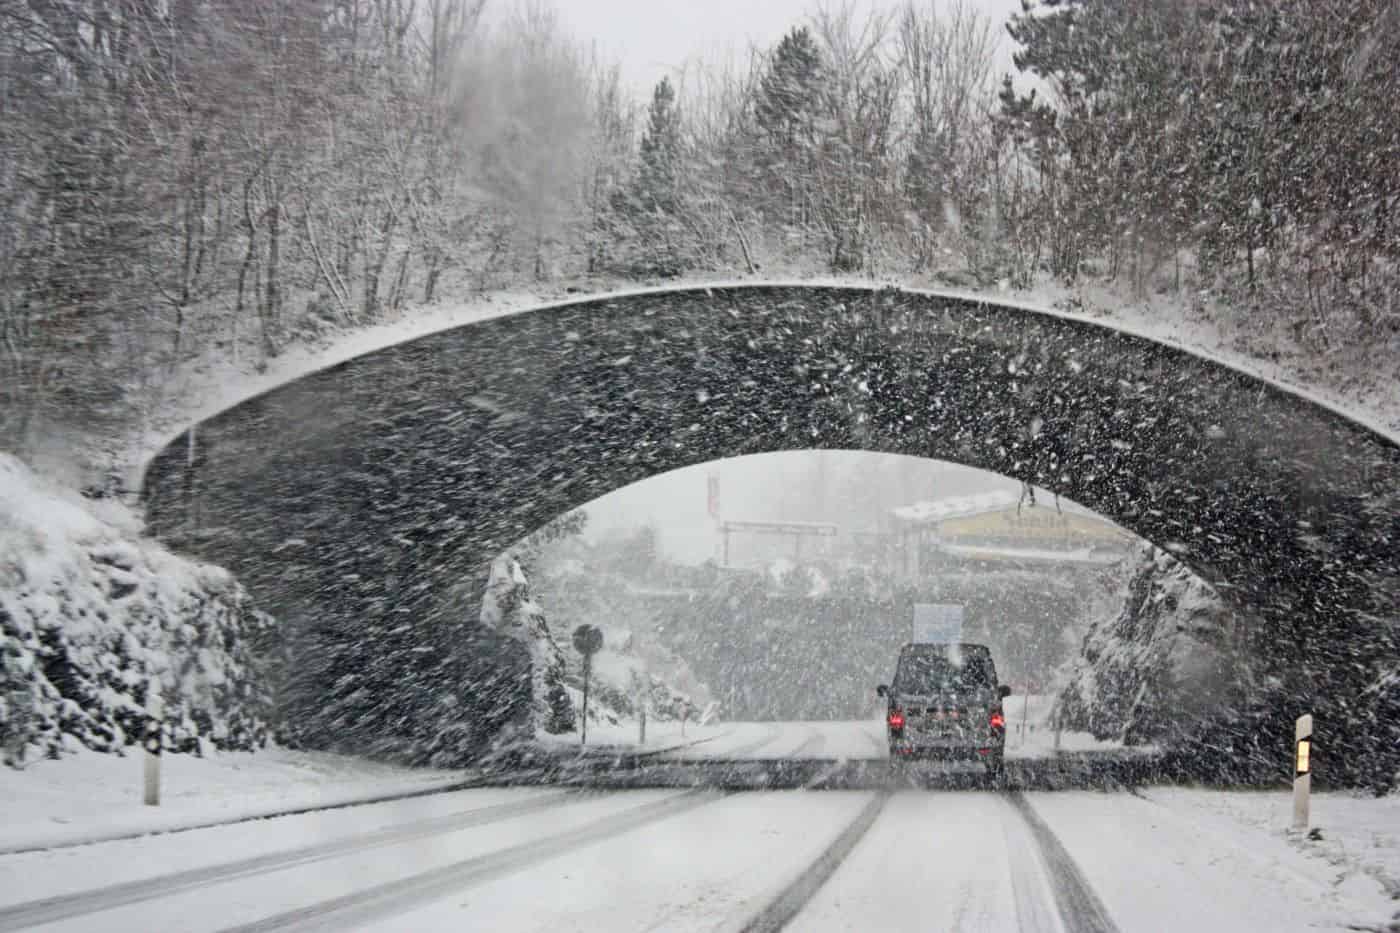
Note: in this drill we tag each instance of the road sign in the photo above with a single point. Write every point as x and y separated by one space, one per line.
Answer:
938 623
588 639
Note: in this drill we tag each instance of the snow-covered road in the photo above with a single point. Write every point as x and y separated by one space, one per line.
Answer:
885 854
548 860
1027 737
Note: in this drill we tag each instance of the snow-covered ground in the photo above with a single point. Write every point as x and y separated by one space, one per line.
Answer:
548 860
89 796
626 736
1354 833
1030 734
849 739
1210 860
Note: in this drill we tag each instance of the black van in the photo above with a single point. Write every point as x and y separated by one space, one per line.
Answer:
945 703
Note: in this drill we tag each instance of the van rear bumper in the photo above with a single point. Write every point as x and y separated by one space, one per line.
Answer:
946 752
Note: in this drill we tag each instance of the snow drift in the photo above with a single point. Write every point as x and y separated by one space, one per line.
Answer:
508 609
90 614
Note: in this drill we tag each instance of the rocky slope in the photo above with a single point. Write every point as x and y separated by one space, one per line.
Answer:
1165 661
92 616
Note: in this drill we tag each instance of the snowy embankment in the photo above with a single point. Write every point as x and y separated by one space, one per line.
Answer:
1357 834
1201 860
1162 664
89 797
91 616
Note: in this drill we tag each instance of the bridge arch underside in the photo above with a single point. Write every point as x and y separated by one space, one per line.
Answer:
364 490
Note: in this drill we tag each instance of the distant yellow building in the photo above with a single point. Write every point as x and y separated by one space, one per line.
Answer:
999 527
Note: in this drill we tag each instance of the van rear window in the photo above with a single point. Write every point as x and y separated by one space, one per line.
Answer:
930 672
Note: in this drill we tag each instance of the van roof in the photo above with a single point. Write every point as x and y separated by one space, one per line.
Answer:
932 646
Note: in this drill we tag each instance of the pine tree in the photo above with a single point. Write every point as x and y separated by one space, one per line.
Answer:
660 153
787 114
790 94
654 204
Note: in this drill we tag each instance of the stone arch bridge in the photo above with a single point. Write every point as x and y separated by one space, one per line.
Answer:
364 491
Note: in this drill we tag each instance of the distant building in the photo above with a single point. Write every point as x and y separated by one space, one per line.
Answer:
1001 529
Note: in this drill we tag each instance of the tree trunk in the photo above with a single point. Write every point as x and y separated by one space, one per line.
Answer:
375 270
272 296
251 229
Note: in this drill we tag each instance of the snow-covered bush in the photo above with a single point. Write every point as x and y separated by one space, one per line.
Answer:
508 609
91 614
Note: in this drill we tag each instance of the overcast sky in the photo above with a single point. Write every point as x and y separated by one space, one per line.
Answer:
651 38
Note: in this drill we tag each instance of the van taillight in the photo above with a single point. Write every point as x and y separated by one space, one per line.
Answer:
896 719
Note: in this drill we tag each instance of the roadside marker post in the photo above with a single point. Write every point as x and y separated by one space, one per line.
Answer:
1302 771
155 711
1025 710
639 686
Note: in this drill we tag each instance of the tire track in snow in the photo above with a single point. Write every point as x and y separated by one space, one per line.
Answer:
879 741
62 907
1080 908
126 835
795 896
393 897
774 732
810 746
683 746
771 733
1036 910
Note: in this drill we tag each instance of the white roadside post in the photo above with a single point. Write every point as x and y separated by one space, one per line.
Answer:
155 712
1025 710
1302 771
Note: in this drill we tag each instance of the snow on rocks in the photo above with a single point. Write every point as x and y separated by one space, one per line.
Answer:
90 614
1161 665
